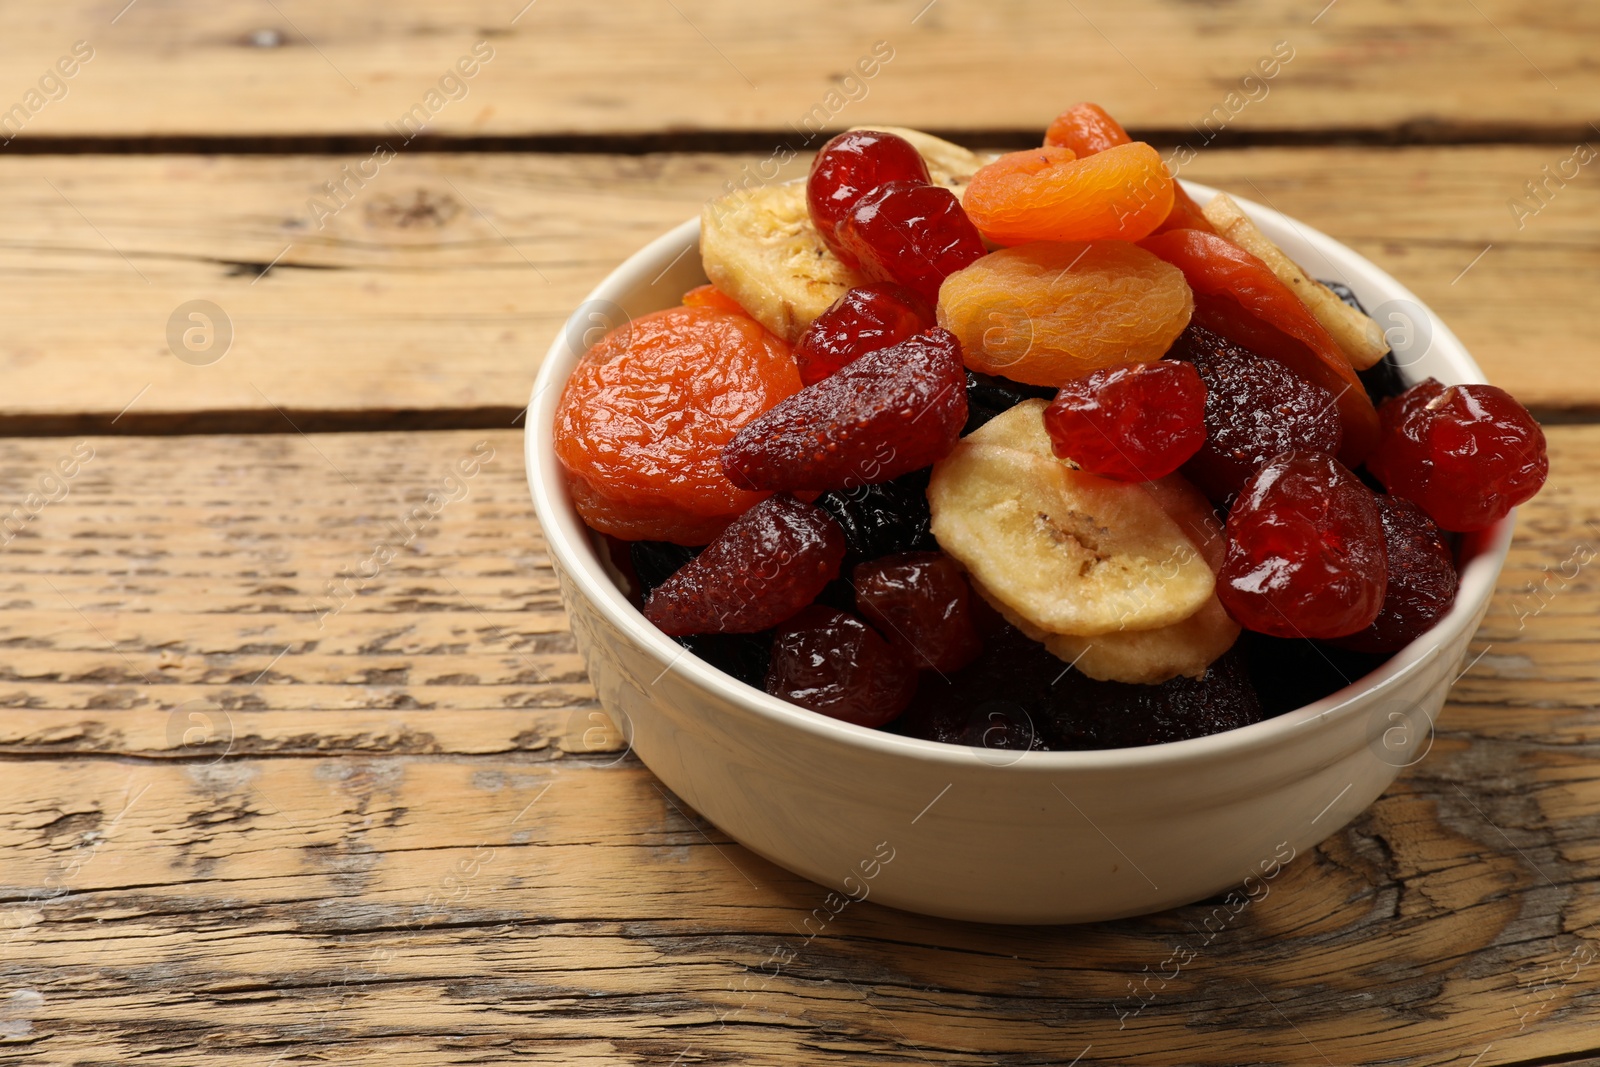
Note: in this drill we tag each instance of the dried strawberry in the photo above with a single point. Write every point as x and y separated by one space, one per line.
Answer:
888 413
768 564
836 664
1256 408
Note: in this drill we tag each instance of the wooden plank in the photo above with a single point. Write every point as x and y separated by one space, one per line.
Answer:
341 862
176 67
431 298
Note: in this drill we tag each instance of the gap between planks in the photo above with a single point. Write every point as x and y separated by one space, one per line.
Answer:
1428 134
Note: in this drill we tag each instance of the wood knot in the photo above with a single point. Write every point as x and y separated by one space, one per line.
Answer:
421 209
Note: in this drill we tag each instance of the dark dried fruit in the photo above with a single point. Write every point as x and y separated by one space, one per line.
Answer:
742 656
917 235
1132 422
1018 696
1422 579
919 601
1467 454
849 167
1290 673
989 395
882 519
656 561
768 564
1094 714
888 413
836 664
1256 408
865 319
994 702
1305 551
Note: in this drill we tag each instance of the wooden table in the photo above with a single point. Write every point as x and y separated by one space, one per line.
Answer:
237 833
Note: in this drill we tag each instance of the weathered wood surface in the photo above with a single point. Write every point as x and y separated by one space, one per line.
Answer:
405 841
294 67
432 297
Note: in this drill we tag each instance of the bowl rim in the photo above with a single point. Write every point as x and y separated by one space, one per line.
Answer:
570 543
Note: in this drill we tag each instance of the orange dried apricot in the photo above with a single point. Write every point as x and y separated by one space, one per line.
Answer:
643 418
709 296
1086 129
1049 194
1047 312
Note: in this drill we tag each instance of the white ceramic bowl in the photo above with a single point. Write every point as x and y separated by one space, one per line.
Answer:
970 833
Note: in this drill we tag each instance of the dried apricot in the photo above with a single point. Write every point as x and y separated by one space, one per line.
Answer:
1048 312
644 416
1049 194
1086 129
709 296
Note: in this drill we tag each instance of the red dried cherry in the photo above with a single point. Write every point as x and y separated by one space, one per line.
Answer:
888 413
1422 579
836 664
1134 422
1466 454
849 167
768 564
1305 553
865 319
913 234
1256 408
919 602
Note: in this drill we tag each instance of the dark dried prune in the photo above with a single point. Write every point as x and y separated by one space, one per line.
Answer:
989 395
1091 714
1290 673
883 518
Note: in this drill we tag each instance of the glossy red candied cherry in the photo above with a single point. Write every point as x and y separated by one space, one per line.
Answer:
849 167
1306 552
836 664
1422 579
865 319
763 568
911 233
919 601
1466 454
1133 422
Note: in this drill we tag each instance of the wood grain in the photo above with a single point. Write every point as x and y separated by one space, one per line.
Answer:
404 840
639 66
431 298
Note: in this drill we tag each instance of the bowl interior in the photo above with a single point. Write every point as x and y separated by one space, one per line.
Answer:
657 276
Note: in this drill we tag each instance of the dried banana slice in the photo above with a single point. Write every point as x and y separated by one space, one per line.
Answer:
1060 550
760 248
